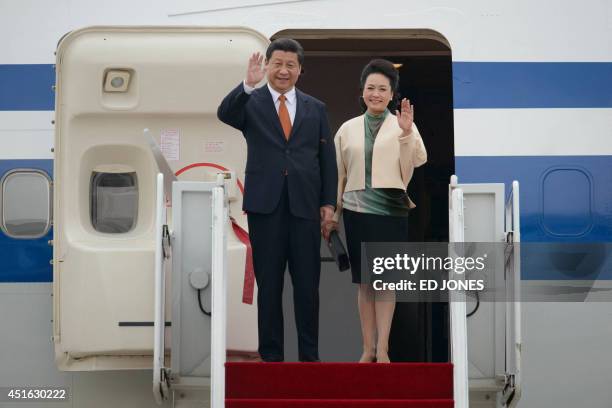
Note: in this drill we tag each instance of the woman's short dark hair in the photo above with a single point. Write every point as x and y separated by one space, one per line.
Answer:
287 45
386 68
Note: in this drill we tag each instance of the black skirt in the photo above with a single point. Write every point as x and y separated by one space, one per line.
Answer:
408 337
362 227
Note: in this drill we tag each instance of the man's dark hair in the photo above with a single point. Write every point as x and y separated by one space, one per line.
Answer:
287 45
386 68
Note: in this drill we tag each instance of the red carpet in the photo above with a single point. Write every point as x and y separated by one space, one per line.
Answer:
334 385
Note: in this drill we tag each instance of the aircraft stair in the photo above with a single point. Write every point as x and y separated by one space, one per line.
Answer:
322 385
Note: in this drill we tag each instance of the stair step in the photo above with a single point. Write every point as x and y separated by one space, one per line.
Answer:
337 403
339 381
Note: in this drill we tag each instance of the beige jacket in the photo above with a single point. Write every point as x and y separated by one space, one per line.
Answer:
393 159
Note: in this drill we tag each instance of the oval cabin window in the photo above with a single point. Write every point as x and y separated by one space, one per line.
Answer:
26 204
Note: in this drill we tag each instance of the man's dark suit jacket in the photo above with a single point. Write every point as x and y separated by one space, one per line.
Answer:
307 160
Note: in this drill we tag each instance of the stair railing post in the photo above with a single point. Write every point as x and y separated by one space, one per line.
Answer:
458 318
219 294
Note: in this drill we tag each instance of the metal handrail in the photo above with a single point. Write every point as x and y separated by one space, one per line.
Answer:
218 328
458 318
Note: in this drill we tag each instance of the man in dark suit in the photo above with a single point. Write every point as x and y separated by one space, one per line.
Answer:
290 190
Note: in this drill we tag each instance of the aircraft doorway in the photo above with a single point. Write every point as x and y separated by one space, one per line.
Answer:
333 63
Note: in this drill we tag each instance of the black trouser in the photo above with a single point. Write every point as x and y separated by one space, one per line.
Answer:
276 239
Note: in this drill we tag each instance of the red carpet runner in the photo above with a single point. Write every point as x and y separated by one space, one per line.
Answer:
335 385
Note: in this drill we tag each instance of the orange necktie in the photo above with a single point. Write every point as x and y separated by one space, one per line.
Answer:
283 114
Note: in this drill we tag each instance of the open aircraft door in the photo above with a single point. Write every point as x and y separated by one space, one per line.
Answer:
112 83
478 213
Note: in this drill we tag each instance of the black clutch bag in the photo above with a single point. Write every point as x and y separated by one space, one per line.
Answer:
338 251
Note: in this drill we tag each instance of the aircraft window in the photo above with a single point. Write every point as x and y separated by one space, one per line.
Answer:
114 202
26 204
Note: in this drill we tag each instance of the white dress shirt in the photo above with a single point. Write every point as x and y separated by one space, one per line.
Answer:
290 100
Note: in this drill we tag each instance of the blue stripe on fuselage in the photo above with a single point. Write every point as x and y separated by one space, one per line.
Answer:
578 213
27 87
566 223
490 85
476 85
26 260
551 197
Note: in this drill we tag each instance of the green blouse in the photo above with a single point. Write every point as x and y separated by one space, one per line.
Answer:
379 201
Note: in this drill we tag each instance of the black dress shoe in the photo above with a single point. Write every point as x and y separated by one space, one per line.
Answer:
272 359
310 360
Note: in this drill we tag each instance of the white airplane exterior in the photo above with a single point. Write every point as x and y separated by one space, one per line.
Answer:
506 90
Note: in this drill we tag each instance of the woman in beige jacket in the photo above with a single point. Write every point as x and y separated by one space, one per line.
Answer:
376 155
